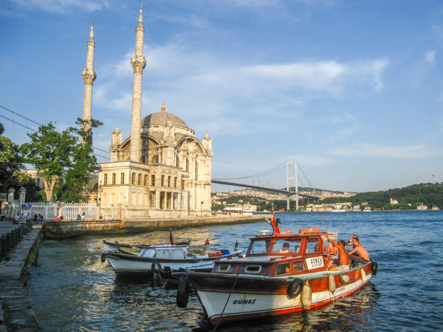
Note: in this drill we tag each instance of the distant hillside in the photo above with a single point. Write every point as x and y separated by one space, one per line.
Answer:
430 194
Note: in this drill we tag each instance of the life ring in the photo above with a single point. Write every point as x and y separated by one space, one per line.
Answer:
294 288
183 291
103 258
374 268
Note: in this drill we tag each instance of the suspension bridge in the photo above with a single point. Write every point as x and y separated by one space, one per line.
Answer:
291 168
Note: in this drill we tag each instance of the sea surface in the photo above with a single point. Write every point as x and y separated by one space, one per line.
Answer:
72 290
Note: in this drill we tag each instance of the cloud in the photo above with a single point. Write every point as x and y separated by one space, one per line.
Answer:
395 152
57 6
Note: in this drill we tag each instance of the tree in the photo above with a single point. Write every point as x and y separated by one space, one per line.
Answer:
84 163
49 152
10 161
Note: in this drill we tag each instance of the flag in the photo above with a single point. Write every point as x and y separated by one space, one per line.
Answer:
170 237
433 175
275 228
207 242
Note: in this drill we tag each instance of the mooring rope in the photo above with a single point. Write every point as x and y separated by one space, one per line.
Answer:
221 315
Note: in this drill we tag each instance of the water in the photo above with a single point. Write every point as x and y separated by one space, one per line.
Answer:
73 290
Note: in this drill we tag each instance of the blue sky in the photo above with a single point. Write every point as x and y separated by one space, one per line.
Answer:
351 90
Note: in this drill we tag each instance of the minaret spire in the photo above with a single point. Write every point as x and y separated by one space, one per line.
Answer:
138 62
89 76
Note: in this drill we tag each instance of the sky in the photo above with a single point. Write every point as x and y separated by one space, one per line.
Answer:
350 90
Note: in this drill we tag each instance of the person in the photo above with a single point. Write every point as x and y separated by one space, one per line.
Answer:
343 256
358 254
57 218
39 218
84 216
79 217
285 248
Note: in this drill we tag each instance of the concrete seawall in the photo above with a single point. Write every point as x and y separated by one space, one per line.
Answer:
16 313
66 229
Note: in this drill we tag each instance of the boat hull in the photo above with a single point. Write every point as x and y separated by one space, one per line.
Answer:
130 266
245 297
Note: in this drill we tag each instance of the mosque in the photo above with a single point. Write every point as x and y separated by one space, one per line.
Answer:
161 170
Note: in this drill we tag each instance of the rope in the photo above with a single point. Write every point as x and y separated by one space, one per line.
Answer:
235 281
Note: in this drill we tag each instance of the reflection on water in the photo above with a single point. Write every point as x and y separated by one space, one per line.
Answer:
73 291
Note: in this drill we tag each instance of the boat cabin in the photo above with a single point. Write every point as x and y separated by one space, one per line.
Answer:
279 255
165 253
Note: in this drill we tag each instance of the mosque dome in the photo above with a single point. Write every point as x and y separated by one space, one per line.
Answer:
161 119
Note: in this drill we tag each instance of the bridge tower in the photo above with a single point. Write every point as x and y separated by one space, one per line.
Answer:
288 178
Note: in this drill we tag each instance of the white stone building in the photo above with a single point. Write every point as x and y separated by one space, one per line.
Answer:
161 170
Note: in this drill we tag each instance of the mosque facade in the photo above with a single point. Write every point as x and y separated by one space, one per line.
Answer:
161 170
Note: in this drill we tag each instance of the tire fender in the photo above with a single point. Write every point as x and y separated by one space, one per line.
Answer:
294 288
374 268
103 258
183 291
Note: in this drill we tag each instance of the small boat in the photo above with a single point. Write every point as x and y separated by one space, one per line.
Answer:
163 259
136 248
272 280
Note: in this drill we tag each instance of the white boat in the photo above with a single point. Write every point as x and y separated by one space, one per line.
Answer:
163 259
118 246
280 273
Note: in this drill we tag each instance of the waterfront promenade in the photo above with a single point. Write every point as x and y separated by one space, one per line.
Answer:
19 246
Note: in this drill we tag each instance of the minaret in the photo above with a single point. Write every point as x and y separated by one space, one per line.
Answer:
89 76
138 62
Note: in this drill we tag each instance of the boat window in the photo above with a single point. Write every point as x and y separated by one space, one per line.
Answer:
260 247
253 268
147 253
162 254
177 254
223 267
313 246
298 266
287 246
283 268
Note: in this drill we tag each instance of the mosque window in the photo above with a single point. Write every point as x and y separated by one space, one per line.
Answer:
155 159
105 179
169 181
175 182
153 180
122 178
196 170
183 184
114 176
187 165
139 179
163 181
133 178
177 162
146 180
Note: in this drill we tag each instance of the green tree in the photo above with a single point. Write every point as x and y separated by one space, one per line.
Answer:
84 163
10 161
49 152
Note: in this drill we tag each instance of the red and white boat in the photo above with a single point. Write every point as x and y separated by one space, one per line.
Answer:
271 280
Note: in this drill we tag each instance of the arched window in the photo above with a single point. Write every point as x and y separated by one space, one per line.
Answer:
105 179
155 159
133 178
196 170
187 165
175 182
146 180
122 178
114 176
139 179
153 180
163 181
169 181
177 162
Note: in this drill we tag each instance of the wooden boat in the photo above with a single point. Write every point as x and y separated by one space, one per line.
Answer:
163 259
270 280
136 248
